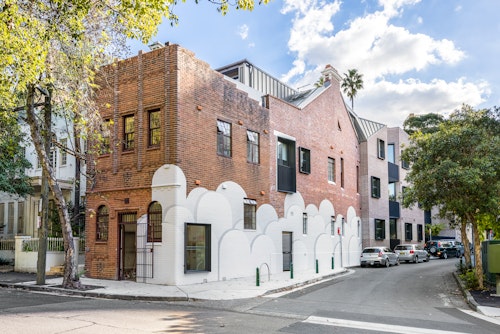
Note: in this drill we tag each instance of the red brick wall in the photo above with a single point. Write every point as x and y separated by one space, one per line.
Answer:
191 97
316 127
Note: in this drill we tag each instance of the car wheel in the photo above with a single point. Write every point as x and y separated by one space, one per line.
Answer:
387 263
445 255
362 265
416 259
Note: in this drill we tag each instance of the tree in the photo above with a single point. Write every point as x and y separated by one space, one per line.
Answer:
456 169
57 46
13 180
351 84
426 123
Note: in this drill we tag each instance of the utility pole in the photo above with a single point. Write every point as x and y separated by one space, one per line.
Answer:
43 228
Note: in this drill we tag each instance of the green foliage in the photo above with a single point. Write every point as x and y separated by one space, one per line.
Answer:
351 84
470 279
435 229
427 123
13 179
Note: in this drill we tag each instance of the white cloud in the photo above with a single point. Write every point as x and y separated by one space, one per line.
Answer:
378 49
243 31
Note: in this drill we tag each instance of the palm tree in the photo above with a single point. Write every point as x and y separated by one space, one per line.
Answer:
351 83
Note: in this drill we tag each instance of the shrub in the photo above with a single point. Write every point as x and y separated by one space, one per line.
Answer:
470 279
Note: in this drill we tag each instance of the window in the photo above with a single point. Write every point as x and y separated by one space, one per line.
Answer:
331 169
405 164
252 147
392 191
249 214
2 217
357 179
379 229
10 217
64 154
154 222
420 232
20 218
408 232
102 223
128 133
304 223
197 247
105 129
223 138
286 165
342 172
154 135
391 157
375 187
381 148
305 160
393 228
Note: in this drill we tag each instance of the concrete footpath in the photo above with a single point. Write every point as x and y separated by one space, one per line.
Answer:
240 288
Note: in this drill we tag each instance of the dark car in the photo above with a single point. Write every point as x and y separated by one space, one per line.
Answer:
442 249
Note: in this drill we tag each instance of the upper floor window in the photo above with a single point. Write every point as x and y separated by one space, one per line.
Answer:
420 232
105 129
154 134
342 172
381 148
102 223
64 153
252 147
331 169
286 165
223 138
408 231
405 164
391 154
128 132
305 160
154 222
392 191
375 187
249 214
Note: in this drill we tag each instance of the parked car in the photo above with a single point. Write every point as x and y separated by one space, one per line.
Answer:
382 256
411 252
459 246
441 248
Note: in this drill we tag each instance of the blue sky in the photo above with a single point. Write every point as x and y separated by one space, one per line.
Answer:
416 56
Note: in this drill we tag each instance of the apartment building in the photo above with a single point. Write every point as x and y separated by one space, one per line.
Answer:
207 175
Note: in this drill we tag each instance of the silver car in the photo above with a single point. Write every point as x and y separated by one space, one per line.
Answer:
382 256
411 253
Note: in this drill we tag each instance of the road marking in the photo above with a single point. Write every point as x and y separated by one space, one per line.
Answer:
481 316
374 326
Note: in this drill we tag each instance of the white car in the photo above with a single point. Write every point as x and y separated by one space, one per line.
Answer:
411 253
381 256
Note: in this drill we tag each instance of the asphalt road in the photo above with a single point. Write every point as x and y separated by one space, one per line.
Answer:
410 298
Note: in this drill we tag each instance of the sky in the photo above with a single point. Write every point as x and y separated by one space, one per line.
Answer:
416 56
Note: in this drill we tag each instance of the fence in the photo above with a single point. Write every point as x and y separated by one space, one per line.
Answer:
7 248
26 253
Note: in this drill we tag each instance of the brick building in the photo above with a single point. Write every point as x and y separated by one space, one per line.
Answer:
206 176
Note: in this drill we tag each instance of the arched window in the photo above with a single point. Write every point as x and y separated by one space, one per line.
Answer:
102 223
154 222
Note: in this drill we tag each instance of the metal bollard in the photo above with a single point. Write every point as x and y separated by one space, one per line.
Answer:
317 267
291 270
333 263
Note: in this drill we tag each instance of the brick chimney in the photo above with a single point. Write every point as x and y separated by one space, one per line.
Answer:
331 75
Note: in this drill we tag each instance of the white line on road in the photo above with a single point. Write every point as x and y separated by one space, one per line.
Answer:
374 326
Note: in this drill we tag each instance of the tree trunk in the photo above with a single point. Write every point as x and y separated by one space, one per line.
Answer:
70 279
477 255
465 241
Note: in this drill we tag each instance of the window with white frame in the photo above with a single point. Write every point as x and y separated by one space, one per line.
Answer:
331 169
64 153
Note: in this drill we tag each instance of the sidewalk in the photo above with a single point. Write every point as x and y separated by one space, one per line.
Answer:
222 290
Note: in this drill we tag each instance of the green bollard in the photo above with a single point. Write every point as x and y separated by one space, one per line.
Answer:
257 277
317 267
333 263
291 270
